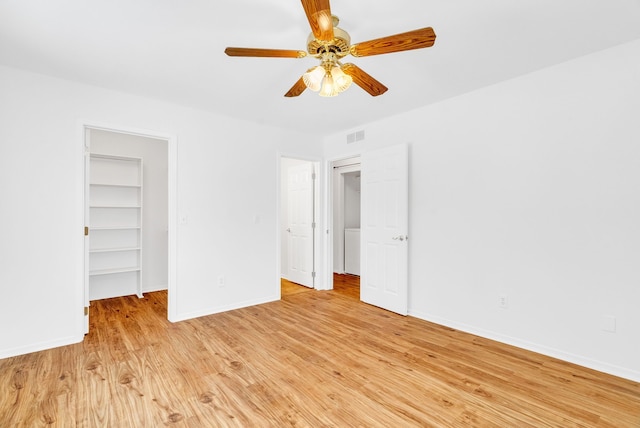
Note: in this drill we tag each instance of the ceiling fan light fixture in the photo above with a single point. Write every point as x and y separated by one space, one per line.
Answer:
330 44
341 80
328 86
313 78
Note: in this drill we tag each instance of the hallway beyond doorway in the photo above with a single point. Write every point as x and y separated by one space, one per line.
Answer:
343 284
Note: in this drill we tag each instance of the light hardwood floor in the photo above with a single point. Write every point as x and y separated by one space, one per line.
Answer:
315 358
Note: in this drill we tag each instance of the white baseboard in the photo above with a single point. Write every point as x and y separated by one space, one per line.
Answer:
41 346
216 310
152 288
600 366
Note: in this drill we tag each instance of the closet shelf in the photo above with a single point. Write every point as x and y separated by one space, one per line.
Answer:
134 186
114 206
114 228
113 250
114 270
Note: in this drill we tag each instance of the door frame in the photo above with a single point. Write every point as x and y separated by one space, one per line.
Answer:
329 195
172 162
344 169
319 282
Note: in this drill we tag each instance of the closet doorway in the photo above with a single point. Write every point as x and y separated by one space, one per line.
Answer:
126 215
346 218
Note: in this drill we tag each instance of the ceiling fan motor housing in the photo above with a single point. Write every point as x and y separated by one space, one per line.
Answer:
339 45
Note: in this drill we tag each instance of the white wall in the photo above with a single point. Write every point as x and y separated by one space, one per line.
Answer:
352 200
231 207
530 189
155 198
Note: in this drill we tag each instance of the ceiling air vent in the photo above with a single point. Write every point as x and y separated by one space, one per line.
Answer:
355 136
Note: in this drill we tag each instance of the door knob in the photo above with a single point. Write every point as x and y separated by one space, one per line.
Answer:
400 238
289 229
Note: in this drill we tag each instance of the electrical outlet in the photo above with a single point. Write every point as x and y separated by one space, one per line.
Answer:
503 301
221 281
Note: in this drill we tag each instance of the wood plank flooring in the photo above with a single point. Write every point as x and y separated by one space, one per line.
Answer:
313 359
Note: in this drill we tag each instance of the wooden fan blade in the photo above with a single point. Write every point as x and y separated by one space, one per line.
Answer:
296 89
319 17
365 81
271 53
416 39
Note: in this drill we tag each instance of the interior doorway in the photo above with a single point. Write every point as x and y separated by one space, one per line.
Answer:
346 220
129 232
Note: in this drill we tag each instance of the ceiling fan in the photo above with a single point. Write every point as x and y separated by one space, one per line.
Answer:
330 45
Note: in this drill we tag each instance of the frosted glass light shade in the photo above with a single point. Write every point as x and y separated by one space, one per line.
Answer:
313 78
328 86
341 80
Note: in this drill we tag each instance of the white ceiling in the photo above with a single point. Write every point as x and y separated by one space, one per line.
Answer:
173 49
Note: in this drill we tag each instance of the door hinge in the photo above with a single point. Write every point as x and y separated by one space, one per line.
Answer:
313 175
313 274
86 311
313 225
86 231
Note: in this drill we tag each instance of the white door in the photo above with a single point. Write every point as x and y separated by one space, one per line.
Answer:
87 163
301 224
384 228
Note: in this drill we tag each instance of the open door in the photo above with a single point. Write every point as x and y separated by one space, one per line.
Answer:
384 228
301 224
87 173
